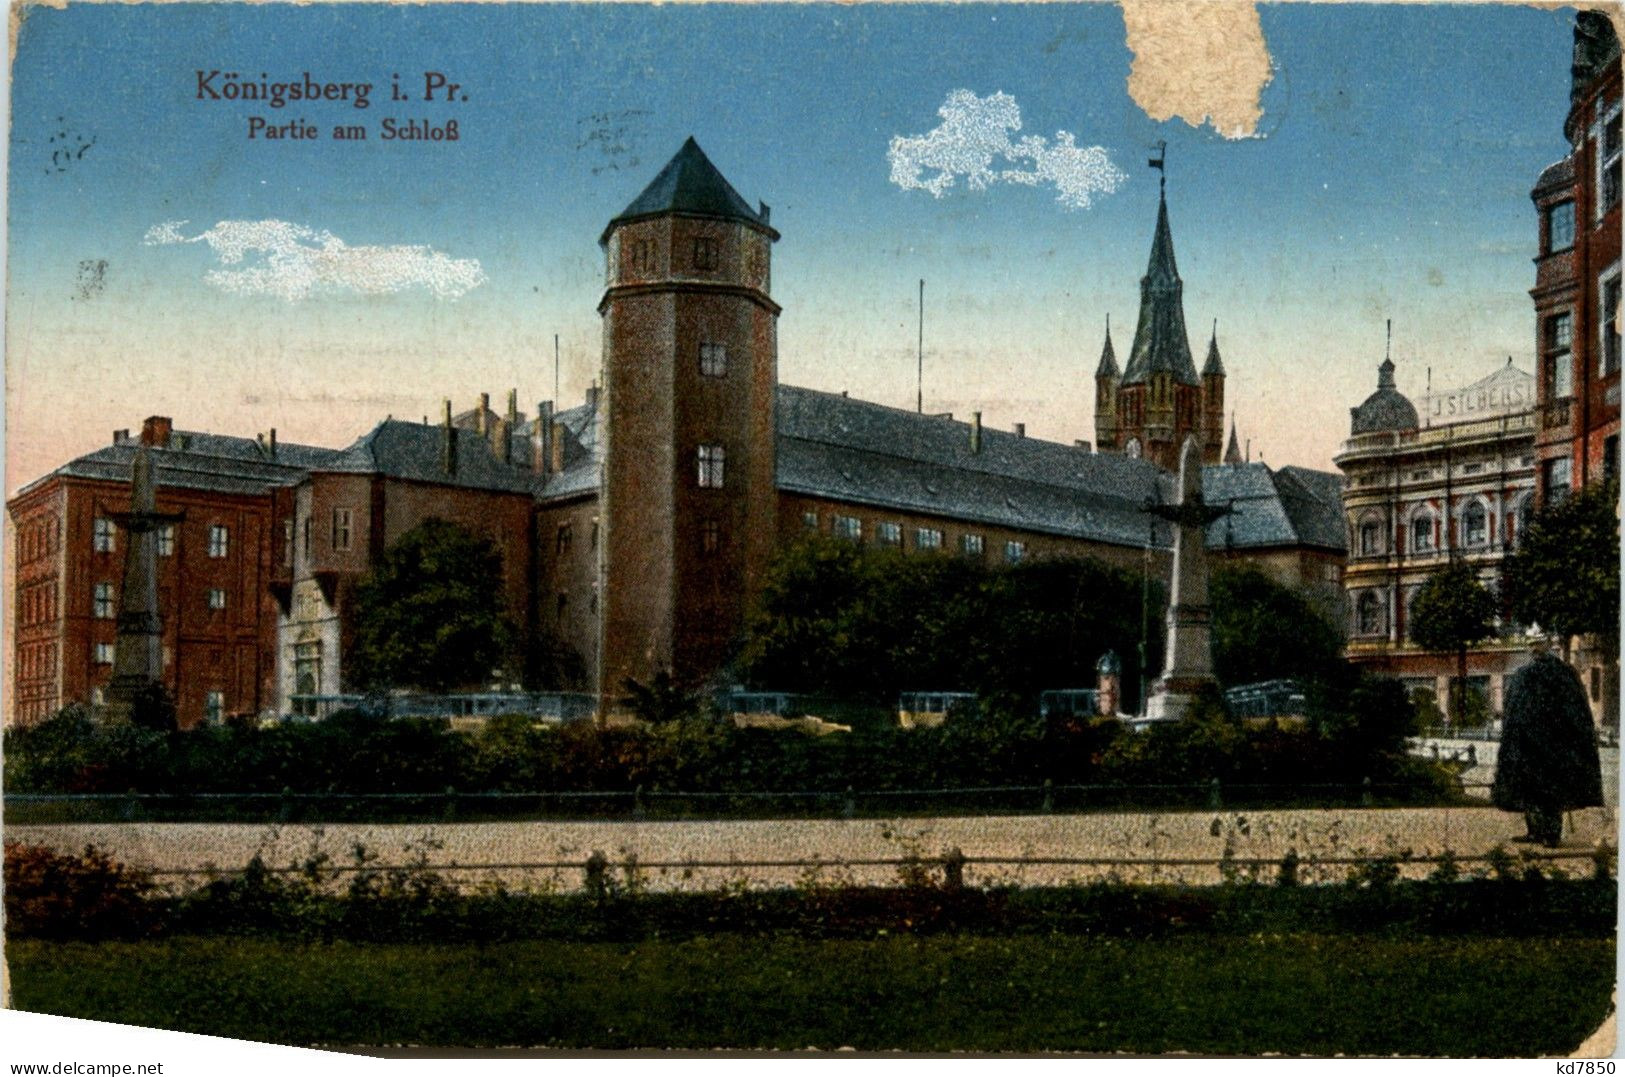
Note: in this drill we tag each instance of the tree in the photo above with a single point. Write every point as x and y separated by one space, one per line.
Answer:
430 614
1263 630
862 623
1564 576
1451 612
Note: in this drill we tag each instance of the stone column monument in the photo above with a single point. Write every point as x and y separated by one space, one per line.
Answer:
1188 658
138 658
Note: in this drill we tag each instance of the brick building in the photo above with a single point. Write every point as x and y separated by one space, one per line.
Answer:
1577 300
215 568
1419 493
636 526
1577 274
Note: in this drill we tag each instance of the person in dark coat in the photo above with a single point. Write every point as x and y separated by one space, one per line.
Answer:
1548 762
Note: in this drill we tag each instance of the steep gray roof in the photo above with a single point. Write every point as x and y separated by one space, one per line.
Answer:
1314 501
1214 364
690 184
200 461
583 454
852 450
1108 357
1288 507
407 450
1160 343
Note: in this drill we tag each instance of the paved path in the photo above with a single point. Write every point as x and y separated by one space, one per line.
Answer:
1129 836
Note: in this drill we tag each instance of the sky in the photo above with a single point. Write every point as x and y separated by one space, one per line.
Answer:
160 261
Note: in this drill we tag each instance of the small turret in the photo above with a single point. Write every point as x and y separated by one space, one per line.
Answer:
1107 379
1212 419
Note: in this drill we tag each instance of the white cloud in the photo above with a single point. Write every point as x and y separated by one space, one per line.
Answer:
976 131
294 261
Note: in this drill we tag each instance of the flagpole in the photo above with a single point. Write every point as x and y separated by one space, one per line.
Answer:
919 363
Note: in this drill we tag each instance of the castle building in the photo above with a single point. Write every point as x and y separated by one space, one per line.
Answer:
1421 491
1158 400
635 527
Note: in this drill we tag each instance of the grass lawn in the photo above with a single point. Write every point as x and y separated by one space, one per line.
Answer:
1298 994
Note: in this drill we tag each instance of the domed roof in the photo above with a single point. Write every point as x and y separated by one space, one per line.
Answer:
1109 663
1385 409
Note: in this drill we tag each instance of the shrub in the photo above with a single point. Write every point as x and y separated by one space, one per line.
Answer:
51 895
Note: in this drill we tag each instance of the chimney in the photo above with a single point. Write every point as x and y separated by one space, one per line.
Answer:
541 438
592 396
502 436
1021 430
448 440
268 444
155 431
121 436
975 432
556 448
480 426
763 210
513 408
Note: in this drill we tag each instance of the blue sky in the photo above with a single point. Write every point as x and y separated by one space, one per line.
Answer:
1390 178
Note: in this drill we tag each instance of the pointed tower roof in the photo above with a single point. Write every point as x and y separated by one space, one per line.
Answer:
1232 451
691 185
1214 364
1108 355
1160 343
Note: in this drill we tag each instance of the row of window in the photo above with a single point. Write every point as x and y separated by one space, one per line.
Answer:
889 533
38 539
644 254
1559 344
104 601
104 538
341 535
1472 529
1371 610
37 605
36 661
564 538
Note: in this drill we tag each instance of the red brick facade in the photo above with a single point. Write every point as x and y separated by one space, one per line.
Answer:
213 568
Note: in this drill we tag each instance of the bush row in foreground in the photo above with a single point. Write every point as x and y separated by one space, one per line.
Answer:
56 896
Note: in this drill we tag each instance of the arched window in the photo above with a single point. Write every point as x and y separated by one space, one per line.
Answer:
1370 537
1475 526
1368 613
1422 532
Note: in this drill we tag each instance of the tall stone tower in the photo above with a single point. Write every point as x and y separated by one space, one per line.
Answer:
1107 378
690 369
1159 400
1212 432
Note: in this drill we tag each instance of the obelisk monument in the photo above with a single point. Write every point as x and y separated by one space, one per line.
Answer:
138 657
1188 658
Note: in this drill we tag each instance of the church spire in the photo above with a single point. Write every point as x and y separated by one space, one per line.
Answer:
1160 343
1232 452
1214 365
1108 355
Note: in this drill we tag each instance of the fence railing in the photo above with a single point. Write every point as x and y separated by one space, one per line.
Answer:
640 802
